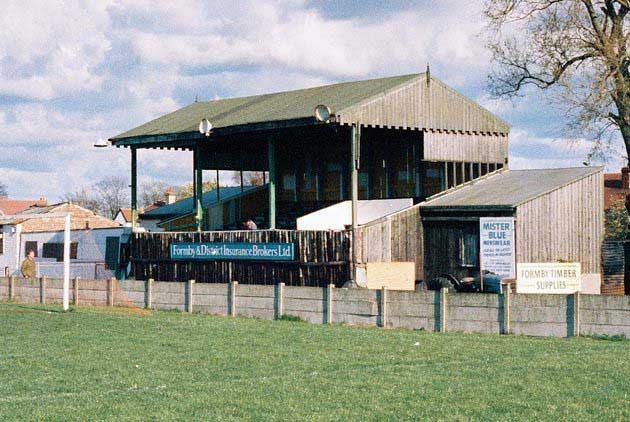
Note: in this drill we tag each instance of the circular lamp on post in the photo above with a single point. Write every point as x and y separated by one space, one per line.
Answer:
322 113
101 143
205 127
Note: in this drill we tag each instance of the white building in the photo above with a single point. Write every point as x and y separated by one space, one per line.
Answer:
95 242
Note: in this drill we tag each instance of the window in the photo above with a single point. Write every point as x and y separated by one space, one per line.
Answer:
30 246
468 248
55 250
1 242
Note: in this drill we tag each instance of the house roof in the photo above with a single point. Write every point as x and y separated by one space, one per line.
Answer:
187 205
613 190
81 218
410 101
507 189
125 212
15 206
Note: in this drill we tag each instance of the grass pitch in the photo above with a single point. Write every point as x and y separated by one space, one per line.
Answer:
95 364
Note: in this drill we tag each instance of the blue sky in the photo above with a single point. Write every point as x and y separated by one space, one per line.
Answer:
75 71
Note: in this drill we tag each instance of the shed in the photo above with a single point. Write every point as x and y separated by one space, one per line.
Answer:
558 216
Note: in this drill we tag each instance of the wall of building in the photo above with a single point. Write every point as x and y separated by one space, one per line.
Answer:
396 237
566 224
91 245
541 315
457 146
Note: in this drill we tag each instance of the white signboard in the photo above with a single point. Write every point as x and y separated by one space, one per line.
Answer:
549 278
496 247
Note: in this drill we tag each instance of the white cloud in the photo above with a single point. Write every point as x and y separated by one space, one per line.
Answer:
48 50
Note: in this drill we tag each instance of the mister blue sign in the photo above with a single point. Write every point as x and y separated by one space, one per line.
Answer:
233 251
497 245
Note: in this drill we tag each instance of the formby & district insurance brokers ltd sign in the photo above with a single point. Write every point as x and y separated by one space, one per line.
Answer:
233 251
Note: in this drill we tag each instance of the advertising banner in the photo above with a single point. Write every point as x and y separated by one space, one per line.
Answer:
496 245
233 251
549 278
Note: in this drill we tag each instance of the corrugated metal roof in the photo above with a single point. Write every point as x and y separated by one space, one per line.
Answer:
267 107
187 205
346 98
508 188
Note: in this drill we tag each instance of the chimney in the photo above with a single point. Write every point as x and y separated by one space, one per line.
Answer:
41 202
625 178
170 196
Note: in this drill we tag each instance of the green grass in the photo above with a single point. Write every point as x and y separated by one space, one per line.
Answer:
115 364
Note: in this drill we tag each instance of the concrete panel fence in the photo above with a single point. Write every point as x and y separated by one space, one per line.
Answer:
540 315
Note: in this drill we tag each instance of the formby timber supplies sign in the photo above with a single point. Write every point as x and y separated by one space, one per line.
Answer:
233 251
496 235
549 278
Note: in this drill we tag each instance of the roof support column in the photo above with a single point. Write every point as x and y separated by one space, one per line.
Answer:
355 145
198 187
271 158
134 189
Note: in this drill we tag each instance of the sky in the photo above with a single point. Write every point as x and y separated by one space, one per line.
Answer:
72 72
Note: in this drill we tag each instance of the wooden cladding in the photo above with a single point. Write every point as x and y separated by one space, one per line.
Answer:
321 258
566 224
424 104
397 237
457 146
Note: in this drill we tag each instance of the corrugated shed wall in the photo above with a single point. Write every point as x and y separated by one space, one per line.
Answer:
566 224
423 105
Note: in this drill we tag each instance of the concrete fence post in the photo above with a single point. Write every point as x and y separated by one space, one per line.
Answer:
110 291
75 299
384 315
507 293
189 295
232 298
12 287
279 300
576 314
42 289
329 305
148 293
443 309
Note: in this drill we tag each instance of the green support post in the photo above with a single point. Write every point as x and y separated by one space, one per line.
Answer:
134 189
271 157
354 190
198 176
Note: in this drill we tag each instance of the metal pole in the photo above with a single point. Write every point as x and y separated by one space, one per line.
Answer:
355 134
218 192
198 173
66 264
134 189
271 158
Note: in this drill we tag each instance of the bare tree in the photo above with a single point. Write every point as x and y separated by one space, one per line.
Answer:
84 197
4 191
578 49
112 193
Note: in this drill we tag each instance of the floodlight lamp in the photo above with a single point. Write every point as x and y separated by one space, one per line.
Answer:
205 127
322 113
101 143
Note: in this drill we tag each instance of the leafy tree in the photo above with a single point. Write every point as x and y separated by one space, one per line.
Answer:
4 191
578 49
617 221
186 191
151 192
